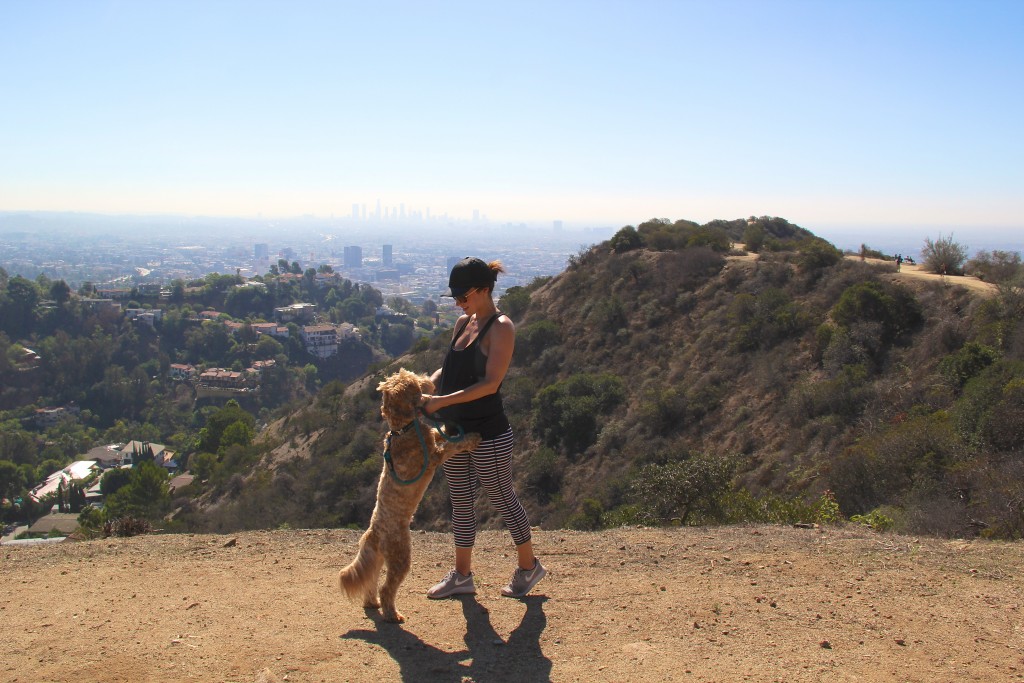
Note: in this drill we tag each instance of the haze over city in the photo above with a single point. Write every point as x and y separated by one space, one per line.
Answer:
856 120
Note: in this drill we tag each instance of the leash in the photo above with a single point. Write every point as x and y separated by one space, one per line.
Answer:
390 462
436 424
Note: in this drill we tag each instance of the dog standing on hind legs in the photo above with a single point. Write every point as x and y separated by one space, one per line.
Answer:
412 453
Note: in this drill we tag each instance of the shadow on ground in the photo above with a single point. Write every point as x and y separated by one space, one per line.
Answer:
487 657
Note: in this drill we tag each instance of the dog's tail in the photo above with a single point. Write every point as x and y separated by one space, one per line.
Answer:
360 577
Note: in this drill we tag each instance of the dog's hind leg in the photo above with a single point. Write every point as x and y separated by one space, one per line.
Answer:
398 560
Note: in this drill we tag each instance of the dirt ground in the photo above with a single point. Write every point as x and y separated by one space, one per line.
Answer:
917 272
749 603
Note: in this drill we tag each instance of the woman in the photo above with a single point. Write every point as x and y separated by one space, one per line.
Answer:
469 394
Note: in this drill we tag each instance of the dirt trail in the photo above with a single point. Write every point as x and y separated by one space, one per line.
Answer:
726 604
917 272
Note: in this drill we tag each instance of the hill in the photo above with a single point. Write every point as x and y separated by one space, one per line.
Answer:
740 603
666 375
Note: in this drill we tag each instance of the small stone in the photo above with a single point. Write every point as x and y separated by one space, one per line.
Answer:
825 644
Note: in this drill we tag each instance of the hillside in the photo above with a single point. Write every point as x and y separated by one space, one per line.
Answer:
741 603
665 375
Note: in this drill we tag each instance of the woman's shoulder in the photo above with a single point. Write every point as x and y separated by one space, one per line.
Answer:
504 322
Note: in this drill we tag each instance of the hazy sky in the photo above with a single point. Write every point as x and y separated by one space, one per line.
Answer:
824 112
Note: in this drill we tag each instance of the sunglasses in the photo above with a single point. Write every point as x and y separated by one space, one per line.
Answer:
463 298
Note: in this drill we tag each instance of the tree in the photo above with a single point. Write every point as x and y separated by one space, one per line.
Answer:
682 489
12 481
566 412
60 292
514 302
211 435
753 237
114 480
17 308
998 266
944 256
626 239
146 495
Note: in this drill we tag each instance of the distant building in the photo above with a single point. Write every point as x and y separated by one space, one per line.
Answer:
132 451
145 316
100 305
79 470
149 289
353 257
114 292
107 456
386 256
180 371
261 252
48 417
222 379
299 313
320 340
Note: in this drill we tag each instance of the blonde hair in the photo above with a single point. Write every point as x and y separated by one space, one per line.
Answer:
496 267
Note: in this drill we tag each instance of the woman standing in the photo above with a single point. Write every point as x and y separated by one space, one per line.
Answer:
469 394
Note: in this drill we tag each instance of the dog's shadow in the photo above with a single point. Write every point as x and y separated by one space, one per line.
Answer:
487 656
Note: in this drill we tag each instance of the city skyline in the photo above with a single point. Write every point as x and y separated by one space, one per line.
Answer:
846 115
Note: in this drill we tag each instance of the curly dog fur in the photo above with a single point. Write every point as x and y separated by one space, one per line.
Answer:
387 543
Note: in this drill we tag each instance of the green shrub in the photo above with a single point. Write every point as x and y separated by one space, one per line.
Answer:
566 412
894 309
683 490
971 359
874 520
626 239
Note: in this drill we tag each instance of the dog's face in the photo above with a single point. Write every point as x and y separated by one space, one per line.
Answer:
400 394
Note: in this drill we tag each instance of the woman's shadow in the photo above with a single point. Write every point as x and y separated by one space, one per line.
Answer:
487 656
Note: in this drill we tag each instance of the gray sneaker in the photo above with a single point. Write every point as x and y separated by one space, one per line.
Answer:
453 583
523 580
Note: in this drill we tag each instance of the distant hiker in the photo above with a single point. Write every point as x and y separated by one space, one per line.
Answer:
899 262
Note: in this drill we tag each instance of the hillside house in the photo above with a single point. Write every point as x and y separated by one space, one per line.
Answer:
320 340
223 379
80 470
133 450
299 313
48 417
107 456
145 316
180 371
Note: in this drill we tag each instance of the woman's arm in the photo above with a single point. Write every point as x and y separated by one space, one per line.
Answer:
502 337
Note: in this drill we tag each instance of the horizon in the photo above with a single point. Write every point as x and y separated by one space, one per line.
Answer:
843 117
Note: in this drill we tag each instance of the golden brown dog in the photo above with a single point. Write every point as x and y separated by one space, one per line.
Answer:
387 543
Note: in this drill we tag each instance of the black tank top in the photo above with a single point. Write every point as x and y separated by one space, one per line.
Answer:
463 368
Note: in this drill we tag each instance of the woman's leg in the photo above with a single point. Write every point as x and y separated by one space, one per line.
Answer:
493 462
459 471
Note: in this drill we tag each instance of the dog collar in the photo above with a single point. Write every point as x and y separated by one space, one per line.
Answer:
403 430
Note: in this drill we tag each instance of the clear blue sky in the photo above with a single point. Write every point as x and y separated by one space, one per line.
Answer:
824 112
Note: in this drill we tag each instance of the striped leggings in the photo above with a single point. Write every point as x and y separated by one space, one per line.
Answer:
489 465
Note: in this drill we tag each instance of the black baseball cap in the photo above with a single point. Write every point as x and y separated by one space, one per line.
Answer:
469 273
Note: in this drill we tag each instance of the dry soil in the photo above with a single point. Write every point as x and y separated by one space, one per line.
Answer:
749 603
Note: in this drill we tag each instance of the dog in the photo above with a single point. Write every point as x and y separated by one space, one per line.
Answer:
413 453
